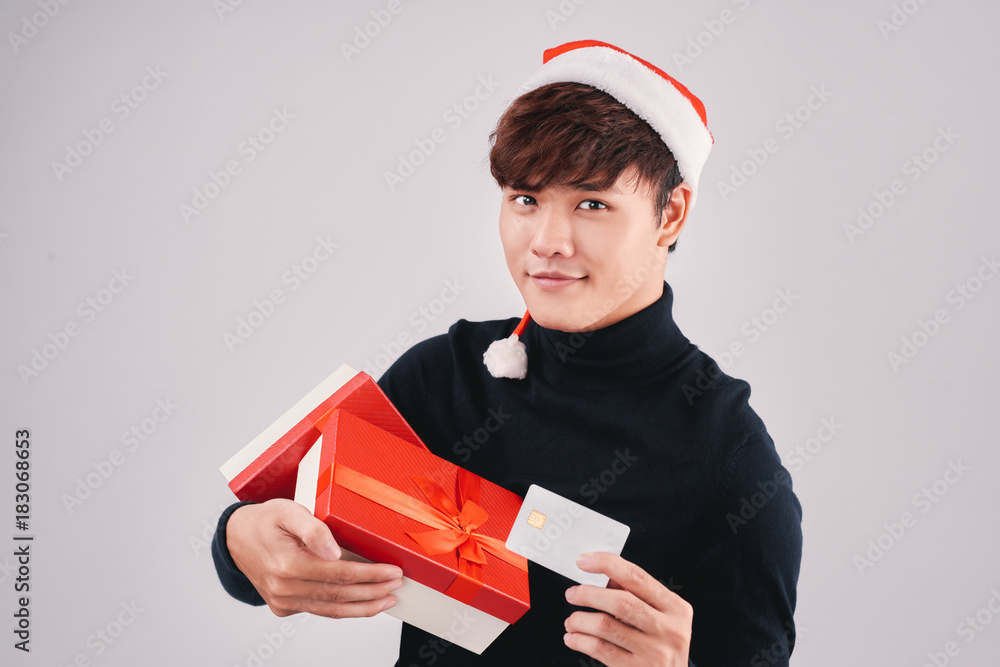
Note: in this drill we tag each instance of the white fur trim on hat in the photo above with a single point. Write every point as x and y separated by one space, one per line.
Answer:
652 97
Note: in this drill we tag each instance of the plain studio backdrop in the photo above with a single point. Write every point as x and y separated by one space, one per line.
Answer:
209 206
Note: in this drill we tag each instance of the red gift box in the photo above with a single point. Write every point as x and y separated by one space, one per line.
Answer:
266 468
386 498
391 502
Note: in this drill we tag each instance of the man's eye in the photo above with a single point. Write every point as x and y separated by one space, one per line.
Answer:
531 200
588 204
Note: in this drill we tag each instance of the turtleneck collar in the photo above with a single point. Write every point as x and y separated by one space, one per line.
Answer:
621 353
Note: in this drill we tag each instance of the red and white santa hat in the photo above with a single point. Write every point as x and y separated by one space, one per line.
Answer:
653 95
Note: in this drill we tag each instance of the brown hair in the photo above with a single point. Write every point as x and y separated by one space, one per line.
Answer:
569 133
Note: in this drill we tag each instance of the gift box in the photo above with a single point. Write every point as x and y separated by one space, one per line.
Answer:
266 468
390 502
387 499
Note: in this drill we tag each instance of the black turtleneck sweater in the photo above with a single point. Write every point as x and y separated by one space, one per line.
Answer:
636 422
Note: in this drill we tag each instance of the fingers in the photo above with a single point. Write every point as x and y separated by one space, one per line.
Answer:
329 592
339 572
595 646
630 633
313 533
298 523
360 609
336 600
626 608
286 553
635 580
352 592
643 621
346 572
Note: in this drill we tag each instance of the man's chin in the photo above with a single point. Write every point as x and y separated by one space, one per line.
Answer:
559 319
566 309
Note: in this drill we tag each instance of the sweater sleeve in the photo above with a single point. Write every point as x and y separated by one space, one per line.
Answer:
232 579
745 567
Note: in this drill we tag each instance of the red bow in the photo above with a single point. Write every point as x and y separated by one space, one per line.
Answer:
456 528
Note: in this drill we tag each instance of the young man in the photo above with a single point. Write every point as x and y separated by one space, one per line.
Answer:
603 400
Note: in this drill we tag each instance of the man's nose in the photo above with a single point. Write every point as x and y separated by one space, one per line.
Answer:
553 233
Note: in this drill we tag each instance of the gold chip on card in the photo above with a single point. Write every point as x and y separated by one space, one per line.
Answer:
536 519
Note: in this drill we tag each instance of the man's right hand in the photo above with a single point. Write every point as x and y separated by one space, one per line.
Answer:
292 560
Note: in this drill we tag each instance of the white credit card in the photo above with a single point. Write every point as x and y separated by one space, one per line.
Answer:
552 531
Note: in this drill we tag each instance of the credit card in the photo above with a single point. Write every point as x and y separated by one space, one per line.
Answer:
552 531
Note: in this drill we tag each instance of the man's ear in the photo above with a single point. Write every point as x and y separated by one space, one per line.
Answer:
674 215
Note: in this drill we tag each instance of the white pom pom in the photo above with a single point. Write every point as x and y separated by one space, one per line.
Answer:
507 358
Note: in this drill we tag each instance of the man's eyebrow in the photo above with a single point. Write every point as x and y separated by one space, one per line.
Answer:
590 186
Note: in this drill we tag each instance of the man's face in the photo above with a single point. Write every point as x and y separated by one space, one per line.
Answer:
584 259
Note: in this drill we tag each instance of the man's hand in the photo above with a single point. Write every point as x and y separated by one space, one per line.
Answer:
292 560
641 621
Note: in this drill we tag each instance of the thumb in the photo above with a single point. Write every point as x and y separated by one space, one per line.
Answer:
313 533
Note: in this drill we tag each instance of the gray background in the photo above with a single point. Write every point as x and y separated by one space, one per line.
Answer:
137 536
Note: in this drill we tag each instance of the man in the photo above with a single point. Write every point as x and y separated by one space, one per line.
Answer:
602 400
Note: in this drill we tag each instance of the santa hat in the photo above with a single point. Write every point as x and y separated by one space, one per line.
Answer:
653 95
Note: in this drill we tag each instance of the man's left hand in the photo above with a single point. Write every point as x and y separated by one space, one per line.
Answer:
640 622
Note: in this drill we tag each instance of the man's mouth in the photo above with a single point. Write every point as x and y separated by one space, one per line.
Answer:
549 280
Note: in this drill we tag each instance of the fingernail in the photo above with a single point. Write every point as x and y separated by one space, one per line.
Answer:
395 574
566 638
393 585
331 551
570 593
389 604
584 561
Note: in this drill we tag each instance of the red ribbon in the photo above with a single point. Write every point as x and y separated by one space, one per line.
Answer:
456 528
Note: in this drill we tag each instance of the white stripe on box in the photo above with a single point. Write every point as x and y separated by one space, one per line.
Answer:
293 416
